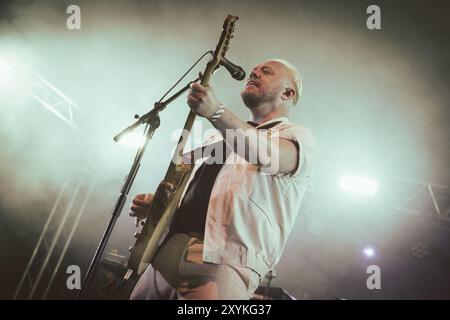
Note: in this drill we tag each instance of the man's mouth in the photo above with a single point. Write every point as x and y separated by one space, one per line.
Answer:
251 83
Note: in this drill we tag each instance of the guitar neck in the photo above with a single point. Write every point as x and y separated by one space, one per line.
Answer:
177 156
221 48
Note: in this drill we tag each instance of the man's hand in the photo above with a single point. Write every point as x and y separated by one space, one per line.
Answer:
141 205
202 100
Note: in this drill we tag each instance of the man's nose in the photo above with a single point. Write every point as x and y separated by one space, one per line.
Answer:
254 75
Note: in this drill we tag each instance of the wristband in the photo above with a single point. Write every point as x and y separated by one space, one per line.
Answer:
216 115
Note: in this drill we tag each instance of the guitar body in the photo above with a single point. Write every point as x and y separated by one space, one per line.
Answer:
165 203
170 190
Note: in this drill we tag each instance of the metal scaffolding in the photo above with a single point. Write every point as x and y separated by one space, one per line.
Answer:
435 195
56 236
70 203
46 94
51 98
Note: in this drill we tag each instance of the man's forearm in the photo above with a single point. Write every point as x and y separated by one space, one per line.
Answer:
257 145
272 155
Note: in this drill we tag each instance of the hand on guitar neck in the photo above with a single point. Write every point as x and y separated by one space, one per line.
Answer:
203 101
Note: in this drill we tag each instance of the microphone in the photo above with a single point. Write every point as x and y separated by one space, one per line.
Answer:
236 72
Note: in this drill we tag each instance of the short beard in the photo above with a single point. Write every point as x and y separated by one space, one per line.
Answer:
253 101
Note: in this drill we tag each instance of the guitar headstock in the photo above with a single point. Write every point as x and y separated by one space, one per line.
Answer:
229 25
228 28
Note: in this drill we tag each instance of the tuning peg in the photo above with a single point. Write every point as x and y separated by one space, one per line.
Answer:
130 248
136 234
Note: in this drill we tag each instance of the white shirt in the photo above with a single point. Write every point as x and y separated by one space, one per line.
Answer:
251 213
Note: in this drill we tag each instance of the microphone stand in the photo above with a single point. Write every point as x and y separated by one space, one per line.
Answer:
153 121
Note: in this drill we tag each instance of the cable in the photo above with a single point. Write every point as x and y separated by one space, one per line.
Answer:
179 80
184 75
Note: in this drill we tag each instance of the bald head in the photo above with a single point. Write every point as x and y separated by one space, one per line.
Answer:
294 77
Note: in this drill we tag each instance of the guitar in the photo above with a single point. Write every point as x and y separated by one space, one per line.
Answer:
169 191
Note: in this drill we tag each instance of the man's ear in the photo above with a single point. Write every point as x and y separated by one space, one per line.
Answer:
288 94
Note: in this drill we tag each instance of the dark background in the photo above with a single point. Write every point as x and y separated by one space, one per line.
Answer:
377 101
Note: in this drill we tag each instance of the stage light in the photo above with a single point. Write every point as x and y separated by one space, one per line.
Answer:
10 77
132 139
6 79
357 184
369 252
5 71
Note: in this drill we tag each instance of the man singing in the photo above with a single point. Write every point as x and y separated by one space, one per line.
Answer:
237 212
